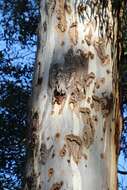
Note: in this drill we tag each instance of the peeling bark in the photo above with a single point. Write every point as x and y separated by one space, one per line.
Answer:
76 121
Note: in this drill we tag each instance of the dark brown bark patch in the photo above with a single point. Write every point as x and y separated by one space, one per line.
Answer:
44 153
88 135
45 26
74 144
89 78
40 79
57 186
68 8
69 77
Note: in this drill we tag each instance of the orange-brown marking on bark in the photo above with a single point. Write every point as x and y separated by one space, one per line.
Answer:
62 151
61 16
57 136
50 172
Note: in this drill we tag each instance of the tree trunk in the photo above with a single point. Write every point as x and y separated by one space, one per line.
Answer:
75 115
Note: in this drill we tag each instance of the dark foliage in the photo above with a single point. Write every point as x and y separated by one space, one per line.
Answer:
13 130
19 20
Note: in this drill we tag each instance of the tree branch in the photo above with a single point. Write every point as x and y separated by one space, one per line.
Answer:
122 172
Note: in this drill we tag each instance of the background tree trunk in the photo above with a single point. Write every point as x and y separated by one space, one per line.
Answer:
75 115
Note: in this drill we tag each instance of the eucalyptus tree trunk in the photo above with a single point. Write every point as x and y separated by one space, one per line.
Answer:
75 109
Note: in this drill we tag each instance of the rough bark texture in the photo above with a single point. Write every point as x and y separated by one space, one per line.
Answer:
75 115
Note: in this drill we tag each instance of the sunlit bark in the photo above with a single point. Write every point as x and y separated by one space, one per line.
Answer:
75 114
